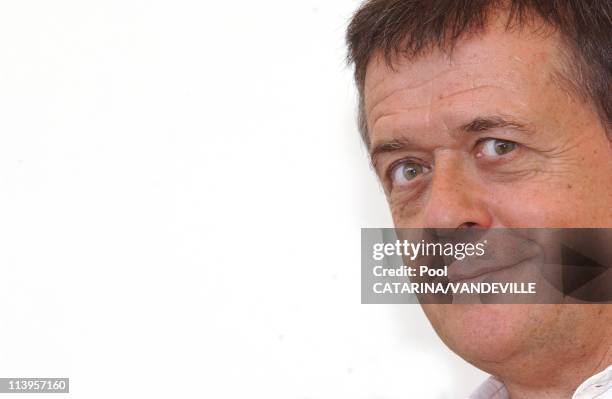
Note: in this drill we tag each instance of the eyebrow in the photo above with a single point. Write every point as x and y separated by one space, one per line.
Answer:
482 124
477 125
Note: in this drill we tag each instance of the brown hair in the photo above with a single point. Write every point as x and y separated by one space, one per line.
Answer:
412 27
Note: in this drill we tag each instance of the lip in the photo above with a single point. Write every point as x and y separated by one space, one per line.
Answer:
459 274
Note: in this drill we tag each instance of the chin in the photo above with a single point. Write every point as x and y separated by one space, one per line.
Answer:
488 334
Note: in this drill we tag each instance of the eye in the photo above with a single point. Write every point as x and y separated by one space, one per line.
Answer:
496 148
404 172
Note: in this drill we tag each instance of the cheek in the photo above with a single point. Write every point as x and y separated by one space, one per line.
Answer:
405 209
554 203
528 206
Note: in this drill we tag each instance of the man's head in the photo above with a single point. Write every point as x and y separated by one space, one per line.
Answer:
492 114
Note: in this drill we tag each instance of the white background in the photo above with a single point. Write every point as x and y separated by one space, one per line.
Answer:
181 191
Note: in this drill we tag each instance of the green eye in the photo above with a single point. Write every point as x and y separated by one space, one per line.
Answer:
405 172
412 170
496 148
504 147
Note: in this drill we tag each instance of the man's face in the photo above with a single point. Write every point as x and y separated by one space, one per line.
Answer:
492 136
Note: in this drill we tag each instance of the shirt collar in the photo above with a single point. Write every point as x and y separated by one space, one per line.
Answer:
492 388
598 386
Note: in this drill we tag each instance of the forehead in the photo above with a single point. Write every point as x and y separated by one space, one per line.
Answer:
507 70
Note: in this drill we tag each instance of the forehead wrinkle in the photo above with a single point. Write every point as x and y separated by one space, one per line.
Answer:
395 112
377 62
419 84
428 106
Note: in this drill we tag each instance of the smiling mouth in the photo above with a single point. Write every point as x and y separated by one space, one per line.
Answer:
475 277
455 276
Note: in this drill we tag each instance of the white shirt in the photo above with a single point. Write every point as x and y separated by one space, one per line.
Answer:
598 386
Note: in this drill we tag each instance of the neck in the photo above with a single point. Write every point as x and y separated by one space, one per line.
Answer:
558 378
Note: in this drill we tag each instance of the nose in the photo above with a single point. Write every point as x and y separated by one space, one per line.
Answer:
456 198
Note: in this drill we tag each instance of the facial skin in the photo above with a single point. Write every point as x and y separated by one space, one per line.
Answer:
433 123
